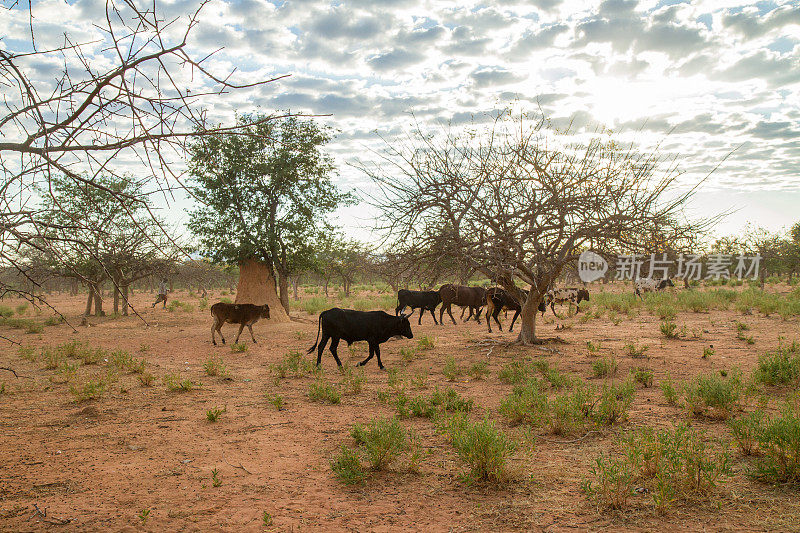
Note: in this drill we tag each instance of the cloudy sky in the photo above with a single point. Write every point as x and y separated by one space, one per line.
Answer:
700 78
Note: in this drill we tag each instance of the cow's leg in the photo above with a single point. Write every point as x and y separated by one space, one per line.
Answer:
371 351
250 327
321 347
494 315
468 316
378 354
213 329
463 310
421 312
333 348
220 323
449 312
398 309
490 309
478 315
241 327
553 307
433 315
516 314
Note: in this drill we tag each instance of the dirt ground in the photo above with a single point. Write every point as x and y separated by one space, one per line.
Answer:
99 464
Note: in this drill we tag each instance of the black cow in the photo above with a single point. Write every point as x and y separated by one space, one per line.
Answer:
461 295
424 300
242 314
374 327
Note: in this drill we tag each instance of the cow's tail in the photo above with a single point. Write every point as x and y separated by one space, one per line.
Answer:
319 328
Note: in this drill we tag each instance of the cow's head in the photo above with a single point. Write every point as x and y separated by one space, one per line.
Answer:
263 311
543 305
583 294
404 326
665 283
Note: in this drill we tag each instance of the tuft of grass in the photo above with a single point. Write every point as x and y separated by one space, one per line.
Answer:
451 370
213 414
479 370
215 367
669 391
669 329
779 444
89 390
175 383
216 480
52 358
276 400
604 367
708 351
323 392
643 376
146 379
27 353
353 380
266 519
637 352
238 347
426 342
517 371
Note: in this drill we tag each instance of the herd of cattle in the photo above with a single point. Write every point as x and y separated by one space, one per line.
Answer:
376 327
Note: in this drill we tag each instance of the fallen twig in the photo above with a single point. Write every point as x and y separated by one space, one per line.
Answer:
50 520
10 370
234 466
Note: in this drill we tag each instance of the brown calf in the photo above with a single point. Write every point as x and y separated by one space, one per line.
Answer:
242 314
463 296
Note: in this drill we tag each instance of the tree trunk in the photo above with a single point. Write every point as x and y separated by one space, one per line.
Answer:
527 330
88 310
125 303
346 287
295 283
283 283
116 297
98 301
325 288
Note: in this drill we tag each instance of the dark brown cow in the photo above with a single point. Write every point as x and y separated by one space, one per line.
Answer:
242 314
461 295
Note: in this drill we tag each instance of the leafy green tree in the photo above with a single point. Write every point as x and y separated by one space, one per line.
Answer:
264 192
99 232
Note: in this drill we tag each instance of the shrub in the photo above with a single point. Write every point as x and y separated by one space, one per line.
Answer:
315 305
482 446
669 391
779 367
713 396
746 430
527 404
666 312
6 311
557 379
671 465
383 441
604 367
347 466
323 392
708 351
779 443
52 358
294 365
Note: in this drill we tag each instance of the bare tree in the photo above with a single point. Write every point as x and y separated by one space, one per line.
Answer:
133 96
521 200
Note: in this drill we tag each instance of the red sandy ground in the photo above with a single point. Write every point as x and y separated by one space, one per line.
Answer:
100 463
